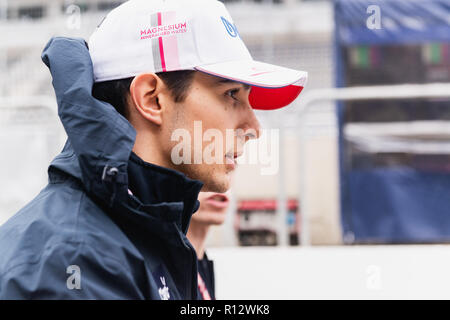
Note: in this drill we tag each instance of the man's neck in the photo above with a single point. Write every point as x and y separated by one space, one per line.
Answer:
148 151
197 236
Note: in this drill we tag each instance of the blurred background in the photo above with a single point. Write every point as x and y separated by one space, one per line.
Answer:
359 206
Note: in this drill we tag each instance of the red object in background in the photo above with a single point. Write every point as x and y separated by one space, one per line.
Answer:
270 205
256 222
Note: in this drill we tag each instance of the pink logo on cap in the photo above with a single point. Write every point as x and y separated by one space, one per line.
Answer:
165 30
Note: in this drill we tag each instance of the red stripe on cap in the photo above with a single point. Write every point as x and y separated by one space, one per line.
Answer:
171 55
161 48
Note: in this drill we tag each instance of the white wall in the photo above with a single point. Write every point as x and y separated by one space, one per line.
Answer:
349 272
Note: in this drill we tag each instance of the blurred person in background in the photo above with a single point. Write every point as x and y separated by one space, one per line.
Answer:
212 212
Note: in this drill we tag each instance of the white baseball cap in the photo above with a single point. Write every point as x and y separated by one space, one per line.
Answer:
159 36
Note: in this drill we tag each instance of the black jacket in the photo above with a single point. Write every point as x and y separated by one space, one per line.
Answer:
84 236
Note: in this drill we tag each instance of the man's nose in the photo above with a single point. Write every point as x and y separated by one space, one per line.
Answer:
252 126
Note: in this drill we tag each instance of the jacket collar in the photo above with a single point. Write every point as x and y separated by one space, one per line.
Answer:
162 193
98 153
157 189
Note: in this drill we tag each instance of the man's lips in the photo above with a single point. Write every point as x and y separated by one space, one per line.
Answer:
218 200
231 162
230 158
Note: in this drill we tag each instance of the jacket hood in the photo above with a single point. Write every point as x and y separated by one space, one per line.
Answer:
98 151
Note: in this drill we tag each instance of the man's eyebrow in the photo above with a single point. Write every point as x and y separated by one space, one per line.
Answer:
228 81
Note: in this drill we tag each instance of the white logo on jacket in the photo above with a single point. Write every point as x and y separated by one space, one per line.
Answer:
164 291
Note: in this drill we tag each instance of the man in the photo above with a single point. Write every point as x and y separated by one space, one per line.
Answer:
112 222
212 212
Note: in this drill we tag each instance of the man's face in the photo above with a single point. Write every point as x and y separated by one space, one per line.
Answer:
217 117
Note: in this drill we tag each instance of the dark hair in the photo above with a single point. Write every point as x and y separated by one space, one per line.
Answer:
115 92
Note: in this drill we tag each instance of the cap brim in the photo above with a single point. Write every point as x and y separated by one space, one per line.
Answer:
273 87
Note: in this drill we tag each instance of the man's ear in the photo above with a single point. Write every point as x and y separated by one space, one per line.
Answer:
144 91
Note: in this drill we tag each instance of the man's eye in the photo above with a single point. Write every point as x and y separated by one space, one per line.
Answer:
232 93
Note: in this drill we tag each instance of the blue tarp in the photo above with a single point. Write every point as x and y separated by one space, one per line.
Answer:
399 205
402 21
390 204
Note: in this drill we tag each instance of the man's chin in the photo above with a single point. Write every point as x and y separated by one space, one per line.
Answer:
216 184
215 179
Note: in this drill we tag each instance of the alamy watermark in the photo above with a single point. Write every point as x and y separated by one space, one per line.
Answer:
373 279
74 280
73 13
207 146
374 20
